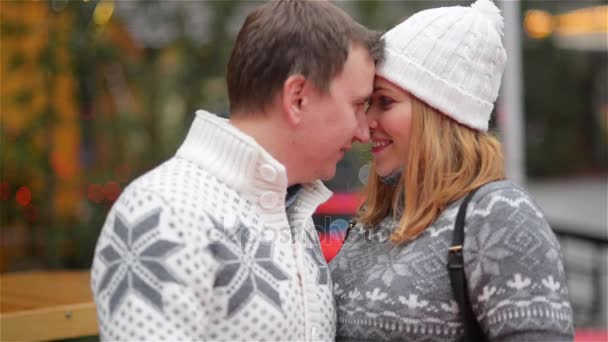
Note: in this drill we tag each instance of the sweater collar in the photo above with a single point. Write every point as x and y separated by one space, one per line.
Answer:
240 162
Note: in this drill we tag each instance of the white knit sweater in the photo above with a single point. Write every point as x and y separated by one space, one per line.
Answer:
202 248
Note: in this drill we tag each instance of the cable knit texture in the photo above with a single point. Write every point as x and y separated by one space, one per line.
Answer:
203 248
451 58
513 267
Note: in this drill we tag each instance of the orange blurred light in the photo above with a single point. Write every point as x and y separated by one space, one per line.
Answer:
111 190
95 193
538 24
64 167
584 21
24 196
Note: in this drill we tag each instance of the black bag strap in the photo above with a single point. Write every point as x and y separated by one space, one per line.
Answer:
458 281
351 225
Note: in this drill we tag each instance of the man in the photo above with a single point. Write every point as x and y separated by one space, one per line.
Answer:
205 246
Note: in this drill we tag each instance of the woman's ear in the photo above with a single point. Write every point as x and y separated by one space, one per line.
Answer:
293 98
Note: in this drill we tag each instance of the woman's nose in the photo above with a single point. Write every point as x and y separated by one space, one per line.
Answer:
372 122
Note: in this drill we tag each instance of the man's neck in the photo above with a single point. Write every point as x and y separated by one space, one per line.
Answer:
273 137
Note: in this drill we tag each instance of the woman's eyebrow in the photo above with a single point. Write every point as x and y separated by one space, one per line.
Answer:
379 88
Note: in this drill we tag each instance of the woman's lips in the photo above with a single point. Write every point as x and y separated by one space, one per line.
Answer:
378 146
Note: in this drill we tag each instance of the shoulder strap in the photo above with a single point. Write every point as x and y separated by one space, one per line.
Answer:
351 224
458 281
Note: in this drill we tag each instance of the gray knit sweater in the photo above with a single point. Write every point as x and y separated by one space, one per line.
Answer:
513 266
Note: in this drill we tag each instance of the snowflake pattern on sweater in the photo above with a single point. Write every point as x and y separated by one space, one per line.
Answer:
250 258
513 265
135 260
203 248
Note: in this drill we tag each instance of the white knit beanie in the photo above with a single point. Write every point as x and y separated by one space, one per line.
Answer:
452 58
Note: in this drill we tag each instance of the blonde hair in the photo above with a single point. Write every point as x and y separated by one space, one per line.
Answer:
446 160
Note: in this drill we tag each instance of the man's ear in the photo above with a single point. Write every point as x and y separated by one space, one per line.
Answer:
294 98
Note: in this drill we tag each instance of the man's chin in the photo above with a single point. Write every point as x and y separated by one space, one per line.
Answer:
328 174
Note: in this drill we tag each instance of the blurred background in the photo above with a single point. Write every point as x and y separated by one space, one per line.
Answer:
95 93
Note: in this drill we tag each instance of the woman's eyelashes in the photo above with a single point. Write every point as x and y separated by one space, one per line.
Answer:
385 101
382 101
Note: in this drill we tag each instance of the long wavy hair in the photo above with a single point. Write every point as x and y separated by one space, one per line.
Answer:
446 160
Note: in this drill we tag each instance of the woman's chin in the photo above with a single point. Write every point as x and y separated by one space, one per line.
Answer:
384 172
385 169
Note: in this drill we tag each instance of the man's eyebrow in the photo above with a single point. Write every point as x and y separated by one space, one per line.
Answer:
363 98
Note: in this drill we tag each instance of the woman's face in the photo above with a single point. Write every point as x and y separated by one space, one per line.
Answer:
389 119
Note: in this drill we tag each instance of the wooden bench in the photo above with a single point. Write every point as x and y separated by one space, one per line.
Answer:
39 306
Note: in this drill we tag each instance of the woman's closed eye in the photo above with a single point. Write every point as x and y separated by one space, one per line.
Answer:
382 101
385 101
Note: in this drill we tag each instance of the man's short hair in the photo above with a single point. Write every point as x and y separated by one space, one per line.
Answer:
288 37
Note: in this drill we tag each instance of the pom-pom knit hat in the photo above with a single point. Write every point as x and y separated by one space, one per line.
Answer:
452 58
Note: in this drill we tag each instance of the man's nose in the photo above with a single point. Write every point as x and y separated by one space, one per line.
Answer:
362 133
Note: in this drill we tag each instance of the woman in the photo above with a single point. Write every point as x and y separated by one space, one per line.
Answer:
428 120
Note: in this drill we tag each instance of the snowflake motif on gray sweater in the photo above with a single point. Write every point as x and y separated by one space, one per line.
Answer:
512 261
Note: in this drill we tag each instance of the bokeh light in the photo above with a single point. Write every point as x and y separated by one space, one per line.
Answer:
111 190
538 24
24 196
95 193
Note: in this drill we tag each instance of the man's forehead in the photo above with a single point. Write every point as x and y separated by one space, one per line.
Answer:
363 91
357 76
354 88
